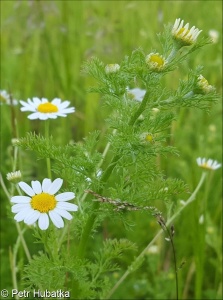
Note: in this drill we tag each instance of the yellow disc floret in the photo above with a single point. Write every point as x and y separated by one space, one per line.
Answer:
184 32
157 59
43 202
149 138
155 62
47 108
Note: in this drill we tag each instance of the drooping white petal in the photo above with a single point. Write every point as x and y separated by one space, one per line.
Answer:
52 116
43 221
20 216
32 217
56 219
34 116
61 115
26 188
43 116
65 196
63 213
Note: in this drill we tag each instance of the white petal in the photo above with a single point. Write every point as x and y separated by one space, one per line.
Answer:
28 108
20 199
63 213
55 186
56 219
209 162
36 101
56 101
26 188
199 161
68 110
19 207
36 185
32 217
23 103
43 221
216 165
64 104
67 206
34 116
43 116
52 116
21 215
61 115
44 100
46 184
65 196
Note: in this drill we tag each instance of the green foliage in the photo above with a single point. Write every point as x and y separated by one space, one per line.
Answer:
141 154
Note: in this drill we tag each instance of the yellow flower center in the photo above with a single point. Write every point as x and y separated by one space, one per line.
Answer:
206 166
184 35
43 202
203 81
149 138
157 59
47 108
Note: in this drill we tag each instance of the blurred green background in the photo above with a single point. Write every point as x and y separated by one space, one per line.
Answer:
43 47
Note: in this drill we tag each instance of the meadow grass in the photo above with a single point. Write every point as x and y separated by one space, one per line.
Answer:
43 47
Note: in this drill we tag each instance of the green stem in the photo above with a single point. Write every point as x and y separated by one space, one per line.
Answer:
140 109
91 220
175 260
200 241
104 178
48 164
172 54
191 199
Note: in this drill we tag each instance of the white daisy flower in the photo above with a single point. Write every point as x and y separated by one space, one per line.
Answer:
43 109
183 34
14 176
204 86
136 94
209 164
155 62
5 98
41 204
214 35
112 68
147 137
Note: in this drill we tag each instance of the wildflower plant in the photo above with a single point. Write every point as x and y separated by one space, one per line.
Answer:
112 183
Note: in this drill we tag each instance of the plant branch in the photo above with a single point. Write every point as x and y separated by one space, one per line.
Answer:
190 199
